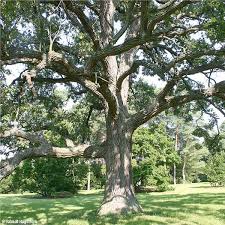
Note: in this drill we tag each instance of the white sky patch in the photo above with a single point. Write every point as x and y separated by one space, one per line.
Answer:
153 81
69 104
66 39
26 27
122 38
15 71
217 76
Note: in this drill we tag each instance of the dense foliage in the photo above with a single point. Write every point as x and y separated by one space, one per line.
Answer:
215 169
48 176
153 156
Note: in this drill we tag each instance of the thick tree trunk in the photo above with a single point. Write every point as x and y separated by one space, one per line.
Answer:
119 192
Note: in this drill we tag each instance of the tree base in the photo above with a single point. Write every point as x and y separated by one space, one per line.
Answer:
119 205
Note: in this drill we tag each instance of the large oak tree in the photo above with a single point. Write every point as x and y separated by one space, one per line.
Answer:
100 45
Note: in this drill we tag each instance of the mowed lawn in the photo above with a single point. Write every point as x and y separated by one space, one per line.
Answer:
189 204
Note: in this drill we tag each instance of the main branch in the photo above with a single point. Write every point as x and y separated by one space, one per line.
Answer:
159 105
44 149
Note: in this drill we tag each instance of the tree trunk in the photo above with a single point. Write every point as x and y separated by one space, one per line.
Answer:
174 165
174 174
119 192
183 173
89 177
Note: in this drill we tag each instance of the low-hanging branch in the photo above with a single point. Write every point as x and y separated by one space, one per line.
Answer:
43 149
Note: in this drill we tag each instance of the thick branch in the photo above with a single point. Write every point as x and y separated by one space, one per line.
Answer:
218 90
133 68
107 9
172 8
57 63
24 57
34 138
128 22
194 55
45 149
144 15
171 83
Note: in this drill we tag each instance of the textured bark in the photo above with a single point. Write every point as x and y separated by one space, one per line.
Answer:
119 192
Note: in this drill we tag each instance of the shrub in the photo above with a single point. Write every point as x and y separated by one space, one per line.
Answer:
7 185
47 176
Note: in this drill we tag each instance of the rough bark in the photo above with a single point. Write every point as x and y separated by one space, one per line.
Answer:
119 192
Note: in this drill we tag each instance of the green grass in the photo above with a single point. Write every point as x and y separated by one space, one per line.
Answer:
197 204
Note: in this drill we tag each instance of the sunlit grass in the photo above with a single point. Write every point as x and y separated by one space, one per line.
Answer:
189 204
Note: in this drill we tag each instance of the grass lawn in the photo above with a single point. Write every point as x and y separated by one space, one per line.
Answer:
189 204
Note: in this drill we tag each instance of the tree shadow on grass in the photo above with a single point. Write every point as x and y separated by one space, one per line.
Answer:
82 209
179 206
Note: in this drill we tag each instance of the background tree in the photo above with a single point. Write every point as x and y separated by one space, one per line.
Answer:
193 161
76 43
215 141
215 169
153 156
